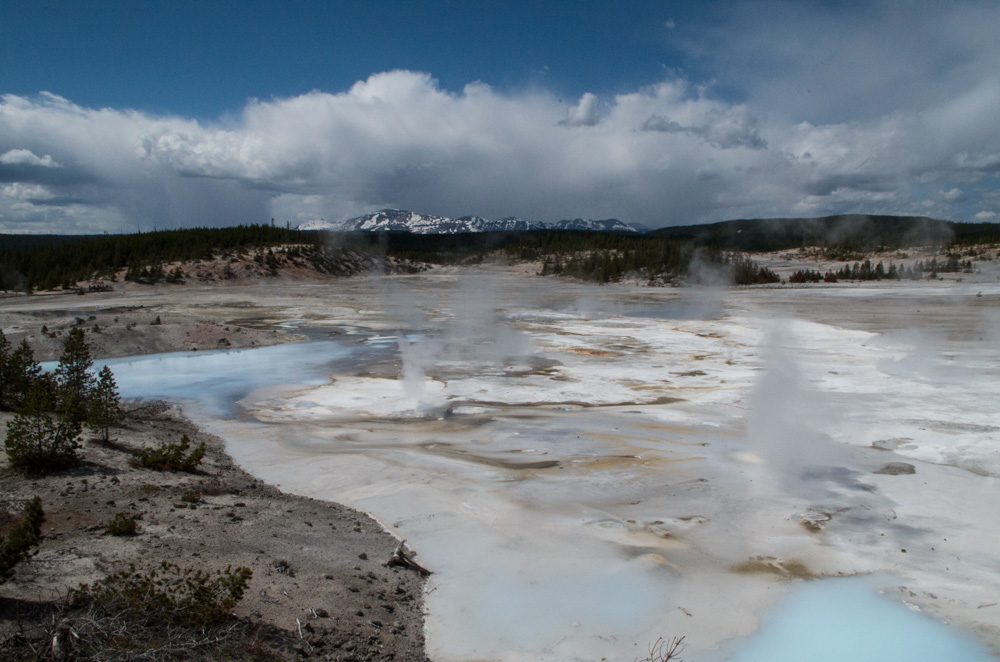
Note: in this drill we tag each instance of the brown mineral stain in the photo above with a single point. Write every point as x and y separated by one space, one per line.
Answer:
587 351
770 565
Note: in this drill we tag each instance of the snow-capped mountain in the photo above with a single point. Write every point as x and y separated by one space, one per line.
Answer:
607 225
398 220
318 224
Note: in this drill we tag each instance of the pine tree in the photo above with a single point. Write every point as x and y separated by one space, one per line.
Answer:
37 444
23 371
105 405
74 379
4 363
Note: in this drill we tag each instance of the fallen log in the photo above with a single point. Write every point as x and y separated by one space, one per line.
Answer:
400 558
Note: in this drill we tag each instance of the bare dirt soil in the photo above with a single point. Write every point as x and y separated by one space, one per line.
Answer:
320 588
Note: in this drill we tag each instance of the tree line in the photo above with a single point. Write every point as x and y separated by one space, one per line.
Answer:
867 271
64 263
841 237
588 255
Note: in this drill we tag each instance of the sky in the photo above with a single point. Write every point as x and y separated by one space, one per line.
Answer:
133 115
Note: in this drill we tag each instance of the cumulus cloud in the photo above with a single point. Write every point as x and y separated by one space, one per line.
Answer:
27 157
669 153
22 192
728 129
584 113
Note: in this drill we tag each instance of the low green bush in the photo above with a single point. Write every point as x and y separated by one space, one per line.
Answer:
169 595
191 496
123 525
171 457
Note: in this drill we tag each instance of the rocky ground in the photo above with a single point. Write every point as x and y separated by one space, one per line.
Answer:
320 589
128 330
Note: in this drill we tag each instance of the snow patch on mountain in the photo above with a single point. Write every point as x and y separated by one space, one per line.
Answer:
399 220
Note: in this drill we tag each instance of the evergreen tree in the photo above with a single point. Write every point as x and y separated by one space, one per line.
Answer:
74 379
23 371
37 444
4 363
105 405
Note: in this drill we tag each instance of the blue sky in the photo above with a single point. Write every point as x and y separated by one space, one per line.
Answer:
124 115
205 59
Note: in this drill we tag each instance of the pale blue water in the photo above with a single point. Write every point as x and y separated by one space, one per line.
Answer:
218 379
840 620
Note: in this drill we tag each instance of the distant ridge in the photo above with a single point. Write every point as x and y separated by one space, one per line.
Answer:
399 220
863 231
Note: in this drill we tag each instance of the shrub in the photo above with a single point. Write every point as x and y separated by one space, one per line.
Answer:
191 496
14 546
171 457
36 444
123 525
168 594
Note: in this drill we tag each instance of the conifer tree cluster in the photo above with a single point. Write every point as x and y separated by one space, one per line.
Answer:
867 271
51 409
747 272
810 276
601 257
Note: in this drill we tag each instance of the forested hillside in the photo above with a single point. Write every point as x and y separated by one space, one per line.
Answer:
64 261
840 235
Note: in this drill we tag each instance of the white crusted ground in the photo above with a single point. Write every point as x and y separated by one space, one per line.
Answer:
584 480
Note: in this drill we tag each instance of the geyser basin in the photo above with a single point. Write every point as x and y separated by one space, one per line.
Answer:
617 478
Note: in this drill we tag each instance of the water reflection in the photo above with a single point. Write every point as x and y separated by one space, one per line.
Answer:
218 379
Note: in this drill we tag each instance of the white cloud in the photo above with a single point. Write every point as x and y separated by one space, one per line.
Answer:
985 216
665 154
27 157
25 192
824 62
726 129
584 113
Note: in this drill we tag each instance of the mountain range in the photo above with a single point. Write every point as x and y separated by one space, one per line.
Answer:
399 220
